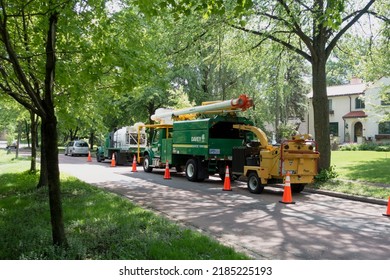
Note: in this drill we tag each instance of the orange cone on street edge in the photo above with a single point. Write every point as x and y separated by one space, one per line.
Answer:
287 197
388 209
134 167
89 159
113 162
226 183
167 175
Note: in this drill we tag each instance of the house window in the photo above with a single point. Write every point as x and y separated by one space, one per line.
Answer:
334 128
359 103
385 100
330 104
384 128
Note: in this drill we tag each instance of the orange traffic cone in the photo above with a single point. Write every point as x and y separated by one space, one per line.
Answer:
113 162
89 159
226 183
167 175
388 209
134 167
287 198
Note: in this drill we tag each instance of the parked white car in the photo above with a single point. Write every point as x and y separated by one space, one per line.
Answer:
77 147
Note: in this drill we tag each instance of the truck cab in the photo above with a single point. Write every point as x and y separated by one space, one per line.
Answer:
155 154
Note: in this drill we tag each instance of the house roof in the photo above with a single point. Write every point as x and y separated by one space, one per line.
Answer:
355 114
349 89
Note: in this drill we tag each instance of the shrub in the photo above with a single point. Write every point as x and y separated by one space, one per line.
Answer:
326 174
348 147
365 147
383 148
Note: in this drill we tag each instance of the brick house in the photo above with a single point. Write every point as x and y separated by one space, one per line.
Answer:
356 113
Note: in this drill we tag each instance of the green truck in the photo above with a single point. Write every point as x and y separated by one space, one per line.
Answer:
123 144
200 147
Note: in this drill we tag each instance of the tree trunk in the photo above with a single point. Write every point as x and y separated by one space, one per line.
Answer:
276 107
37 132
321 111
18 139
43 180
205 81
50 136
34 140
27 131
49 133
91 137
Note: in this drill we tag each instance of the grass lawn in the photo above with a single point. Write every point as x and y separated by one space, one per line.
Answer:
369 166
363 173
9 164
98 224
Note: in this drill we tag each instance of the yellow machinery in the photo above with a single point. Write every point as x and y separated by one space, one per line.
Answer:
264 164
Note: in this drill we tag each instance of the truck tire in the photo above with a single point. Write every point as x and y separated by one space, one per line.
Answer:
297 188
98 157
254 183
146 164
191 170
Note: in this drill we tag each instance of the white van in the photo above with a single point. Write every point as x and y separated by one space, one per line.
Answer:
77 147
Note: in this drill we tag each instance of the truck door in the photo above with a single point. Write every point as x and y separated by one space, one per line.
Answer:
166 148
156 142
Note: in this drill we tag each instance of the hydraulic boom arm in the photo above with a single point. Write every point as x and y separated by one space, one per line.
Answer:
241 103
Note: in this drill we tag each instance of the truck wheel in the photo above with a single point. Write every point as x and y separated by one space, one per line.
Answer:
146 164
297 188
191 170
254 183
98 158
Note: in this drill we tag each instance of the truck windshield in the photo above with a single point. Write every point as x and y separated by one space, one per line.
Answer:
157 135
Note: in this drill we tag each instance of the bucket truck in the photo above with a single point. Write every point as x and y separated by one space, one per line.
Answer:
204 146
200 147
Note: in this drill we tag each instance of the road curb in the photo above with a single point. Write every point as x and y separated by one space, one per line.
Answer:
348 196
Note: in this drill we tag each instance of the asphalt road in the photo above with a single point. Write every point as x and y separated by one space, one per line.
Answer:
317 227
